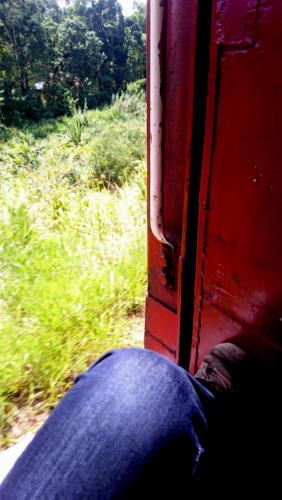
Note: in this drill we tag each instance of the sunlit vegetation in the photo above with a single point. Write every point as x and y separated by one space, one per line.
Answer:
73 247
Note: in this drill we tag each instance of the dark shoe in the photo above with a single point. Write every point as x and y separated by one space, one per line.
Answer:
224 368
245 428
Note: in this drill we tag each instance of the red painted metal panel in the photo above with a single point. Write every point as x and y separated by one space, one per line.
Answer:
236 215
236 22
240 245
161 319
157 346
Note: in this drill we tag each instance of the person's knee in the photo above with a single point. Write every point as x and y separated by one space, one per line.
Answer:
132 368
142 381
129 370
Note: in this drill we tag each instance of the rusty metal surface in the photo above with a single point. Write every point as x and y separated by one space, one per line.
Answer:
236 288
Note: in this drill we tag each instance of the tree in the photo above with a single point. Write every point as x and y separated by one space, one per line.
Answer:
80 54
21 29
135 43
87 50
106 19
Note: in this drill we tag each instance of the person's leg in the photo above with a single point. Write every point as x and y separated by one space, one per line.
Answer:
134 424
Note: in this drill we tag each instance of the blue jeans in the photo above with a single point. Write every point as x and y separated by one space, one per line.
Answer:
135 425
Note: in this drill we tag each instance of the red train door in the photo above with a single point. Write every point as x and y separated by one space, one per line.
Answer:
214 150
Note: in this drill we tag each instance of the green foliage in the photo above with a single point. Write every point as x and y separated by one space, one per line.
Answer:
72 253
137 87
113 156
131 102
51 58
24 154
4 132
57 100
75 131
135 42
81 54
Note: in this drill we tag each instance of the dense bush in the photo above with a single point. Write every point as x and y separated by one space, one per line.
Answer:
72 253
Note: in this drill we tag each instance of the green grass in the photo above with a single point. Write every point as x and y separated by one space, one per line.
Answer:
73 249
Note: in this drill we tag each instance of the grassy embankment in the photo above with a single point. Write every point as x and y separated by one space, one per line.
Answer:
72 249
